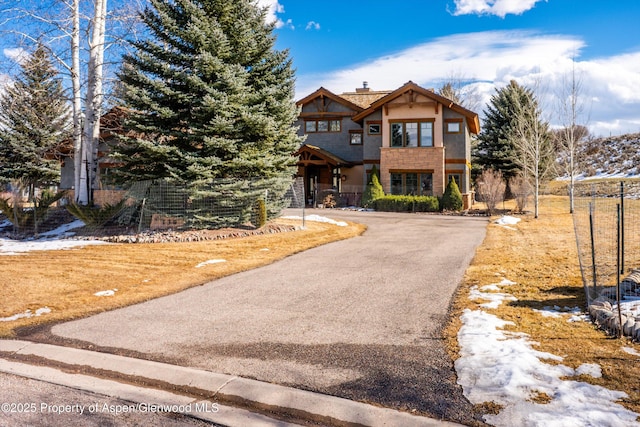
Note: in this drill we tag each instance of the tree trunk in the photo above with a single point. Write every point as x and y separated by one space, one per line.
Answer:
79 179
93 101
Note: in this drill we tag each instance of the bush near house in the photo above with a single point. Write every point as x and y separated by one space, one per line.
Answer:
373 190
452 198
407 204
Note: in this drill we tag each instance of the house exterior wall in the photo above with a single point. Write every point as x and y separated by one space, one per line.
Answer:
458 149
418 159
338 143
413 159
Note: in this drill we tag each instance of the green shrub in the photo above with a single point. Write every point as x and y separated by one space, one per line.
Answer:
407 204
94 216
259 214
452 198
373 190
24 219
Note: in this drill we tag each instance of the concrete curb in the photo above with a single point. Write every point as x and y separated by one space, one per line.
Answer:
254 395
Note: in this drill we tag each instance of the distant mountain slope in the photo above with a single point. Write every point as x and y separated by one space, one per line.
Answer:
614 156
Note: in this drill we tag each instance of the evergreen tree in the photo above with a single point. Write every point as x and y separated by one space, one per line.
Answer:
495 149
209 98
452 198
34 120
373 190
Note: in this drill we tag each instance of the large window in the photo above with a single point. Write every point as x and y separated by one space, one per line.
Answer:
412 134
418 184
312 126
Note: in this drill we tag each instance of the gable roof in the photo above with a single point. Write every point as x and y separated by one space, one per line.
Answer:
364 98
325 93
308 151
472 118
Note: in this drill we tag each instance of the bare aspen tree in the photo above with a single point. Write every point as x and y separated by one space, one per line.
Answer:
530 136
572 135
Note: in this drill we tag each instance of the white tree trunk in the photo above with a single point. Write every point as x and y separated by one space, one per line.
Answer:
78 183
93 101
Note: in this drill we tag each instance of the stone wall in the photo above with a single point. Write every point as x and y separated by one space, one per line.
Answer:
602 310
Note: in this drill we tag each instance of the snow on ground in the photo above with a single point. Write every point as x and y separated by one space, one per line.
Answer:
107 293
51 240
27 313
211 261
506 221
318 218
504 367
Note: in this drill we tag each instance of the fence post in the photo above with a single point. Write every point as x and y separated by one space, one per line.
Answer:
621 269
593 249
141 214
618 297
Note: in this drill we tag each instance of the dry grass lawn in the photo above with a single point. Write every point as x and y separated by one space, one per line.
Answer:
541 256
65 281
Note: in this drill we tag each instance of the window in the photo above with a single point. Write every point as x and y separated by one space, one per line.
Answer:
412 134
413 183
356 137
456 177
374 128
453 126
312 126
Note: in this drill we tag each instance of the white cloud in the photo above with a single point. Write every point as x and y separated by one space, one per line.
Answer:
17 54
491 59
500 8
312 25
273 9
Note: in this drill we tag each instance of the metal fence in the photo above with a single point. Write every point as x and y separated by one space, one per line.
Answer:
162 204
607 226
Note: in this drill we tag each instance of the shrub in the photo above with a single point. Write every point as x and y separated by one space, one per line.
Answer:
259 214
521 189
452 198
94 216
491 189
23 218
406 204
373 190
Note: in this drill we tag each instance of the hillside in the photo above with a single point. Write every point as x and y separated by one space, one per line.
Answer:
610 157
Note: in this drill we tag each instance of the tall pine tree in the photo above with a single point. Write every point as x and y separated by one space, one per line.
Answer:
495 149
209 98
34 120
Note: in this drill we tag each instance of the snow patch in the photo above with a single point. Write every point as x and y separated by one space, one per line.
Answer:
26 314
507 220
631 351
318 218
590 369
503 367
48 241
107 293
211 261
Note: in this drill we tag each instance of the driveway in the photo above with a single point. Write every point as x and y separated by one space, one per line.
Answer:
360 318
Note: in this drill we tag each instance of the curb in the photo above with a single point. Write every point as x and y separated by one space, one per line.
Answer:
185 383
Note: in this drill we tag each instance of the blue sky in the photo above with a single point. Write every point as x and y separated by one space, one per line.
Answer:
340 44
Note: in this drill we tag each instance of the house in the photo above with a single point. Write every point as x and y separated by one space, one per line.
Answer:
418 140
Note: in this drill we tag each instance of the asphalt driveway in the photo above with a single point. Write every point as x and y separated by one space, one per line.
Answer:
360 318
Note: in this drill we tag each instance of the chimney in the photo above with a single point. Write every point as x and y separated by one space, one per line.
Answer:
364 88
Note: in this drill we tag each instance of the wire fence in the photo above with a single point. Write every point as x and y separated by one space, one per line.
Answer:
162 204
607 226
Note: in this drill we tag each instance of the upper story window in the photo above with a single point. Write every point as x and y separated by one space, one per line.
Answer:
412 133
355 137
374 128
313 125
453 126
